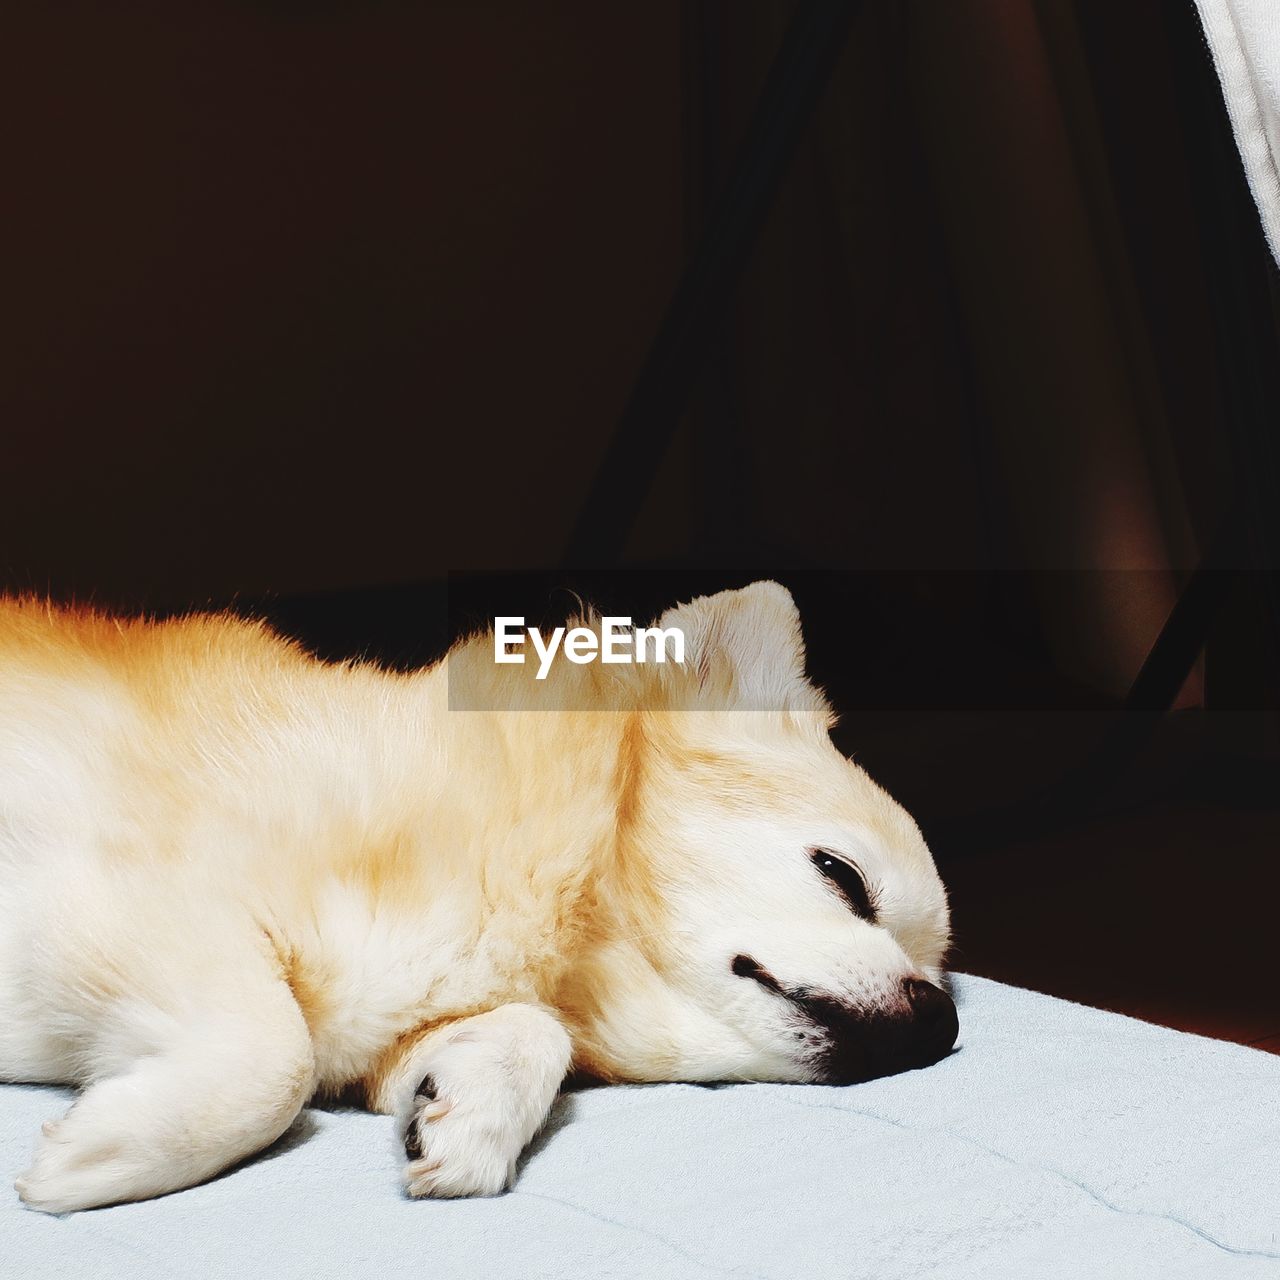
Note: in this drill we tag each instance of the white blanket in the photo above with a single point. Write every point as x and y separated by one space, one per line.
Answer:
1058 1142
1244 36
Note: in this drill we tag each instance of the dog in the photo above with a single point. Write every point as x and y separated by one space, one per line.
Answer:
234 877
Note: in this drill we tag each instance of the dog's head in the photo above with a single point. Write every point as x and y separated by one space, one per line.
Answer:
785 919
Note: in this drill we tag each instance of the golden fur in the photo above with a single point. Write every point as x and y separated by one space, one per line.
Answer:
201 825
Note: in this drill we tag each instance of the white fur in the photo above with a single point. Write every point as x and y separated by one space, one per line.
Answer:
495 1077
231 877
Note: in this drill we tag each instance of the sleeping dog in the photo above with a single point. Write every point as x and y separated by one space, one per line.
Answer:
233 877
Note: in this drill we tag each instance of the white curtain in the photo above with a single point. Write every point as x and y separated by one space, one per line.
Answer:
1244 36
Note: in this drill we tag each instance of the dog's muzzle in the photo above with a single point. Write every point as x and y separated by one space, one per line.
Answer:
917 1027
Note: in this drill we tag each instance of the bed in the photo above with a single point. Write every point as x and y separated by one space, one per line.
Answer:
1057 1141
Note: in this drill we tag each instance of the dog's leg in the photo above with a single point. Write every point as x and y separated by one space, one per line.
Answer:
471 1094
216 1082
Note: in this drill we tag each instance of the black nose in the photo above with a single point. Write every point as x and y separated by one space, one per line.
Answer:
915 1029
933 1024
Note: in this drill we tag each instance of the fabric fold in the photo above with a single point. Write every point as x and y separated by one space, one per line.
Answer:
1244 38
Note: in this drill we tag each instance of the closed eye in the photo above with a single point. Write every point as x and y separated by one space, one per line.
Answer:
848 881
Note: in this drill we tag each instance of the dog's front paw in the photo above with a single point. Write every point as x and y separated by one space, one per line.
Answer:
461 1142
491 1079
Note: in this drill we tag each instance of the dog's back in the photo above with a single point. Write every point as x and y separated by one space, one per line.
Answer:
163 787
176 796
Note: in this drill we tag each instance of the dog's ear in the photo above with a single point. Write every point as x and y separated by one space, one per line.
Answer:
745 648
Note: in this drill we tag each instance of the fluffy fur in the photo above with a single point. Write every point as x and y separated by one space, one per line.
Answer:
233 877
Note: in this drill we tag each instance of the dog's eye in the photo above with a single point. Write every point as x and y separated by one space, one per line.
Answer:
848 879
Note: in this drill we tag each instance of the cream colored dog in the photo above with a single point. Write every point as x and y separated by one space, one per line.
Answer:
233 877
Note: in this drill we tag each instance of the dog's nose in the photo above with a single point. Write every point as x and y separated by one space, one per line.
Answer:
916 1029
934 1023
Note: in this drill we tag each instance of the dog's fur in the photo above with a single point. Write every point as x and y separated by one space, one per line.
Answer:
233 877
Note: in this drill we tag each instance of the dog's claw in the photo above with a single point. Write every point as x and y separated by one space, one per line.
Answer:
418 1177
432 1108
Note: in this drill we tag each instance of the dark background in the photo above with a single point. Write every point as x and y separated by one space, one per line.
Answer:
329 311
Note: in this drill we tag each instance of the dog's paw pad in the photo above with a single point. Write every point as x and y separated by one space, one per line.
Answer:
412 1143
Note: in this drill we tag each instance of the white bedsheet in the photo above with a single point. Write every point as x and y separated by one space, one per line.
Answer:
1058 1141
